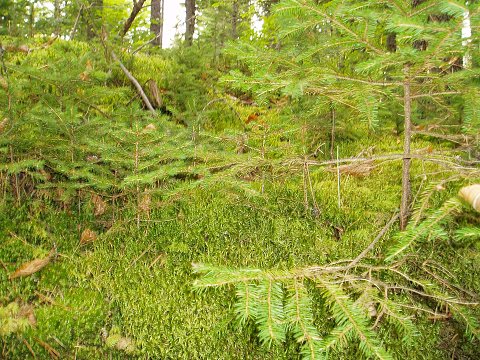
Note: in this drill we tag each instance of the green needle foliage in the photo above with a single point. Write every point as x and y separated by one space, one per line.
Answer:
360 301
357 55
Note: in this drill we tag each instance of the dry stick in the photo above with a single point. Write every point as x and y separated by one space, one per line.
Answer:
404 207
338 182
128 23
374 242
147 43
332 135
135 83
29 347
74 30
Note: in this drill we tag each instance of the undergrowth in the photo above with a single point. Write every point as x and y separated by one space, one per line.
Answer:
205 185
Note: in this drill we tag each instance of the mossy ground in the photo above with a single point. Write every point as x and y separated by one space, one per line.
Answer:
139 280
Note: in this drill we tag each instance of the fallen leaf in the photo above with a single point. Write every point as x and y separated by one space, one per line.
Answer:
3 124
26 311
32 267
145 203
99 205
87 236
84 76
3 83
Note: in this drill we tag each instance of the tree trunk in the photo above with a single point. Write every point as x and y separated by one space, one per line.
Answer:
156 22
406 188
128 23
57 16
235 15
31 19
189 21
467 39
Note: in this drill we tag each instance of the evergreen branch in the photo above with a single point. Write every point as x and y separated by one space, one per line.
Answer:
270 315
413 233
324 14
472 327
340 335
299 314
393 219
345 312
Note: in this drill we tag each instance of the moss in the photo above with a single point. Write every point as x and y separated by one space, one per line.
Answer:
139 280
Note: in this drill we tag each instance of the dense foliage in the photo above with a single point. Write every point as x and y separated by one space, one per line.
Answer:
305 156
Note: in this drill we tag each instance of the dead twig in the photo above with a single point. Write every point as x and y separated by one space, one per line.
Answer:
134 82
374 242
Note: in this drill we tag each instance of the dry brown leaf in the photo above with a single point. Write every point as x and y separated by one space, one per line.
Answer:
26 311
32 267
471 194
358 169
84 76
3 83
99 205
87 236
145 203
3 124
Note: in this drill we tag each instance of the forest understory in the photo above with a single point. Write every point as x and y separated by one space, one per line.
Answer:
307 191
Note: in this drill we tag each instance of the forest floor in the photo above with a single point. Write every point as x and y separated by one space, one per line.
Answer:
133 285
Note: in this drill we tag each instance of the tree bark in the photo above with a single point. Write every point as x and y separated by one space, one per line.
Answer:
128 23
189 21
156 22
235 15
407 133
31 19
57 16
466 39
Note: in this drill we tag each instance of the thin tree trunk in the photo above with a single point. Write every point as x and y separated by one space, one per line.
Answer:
156 22
56 16
406 187
235 15
31 19
467 38
189 21
128 23
74 29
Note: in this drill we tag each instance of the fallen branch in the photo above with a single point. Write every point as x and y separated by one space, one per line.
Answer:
374 242
74 29
135 83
